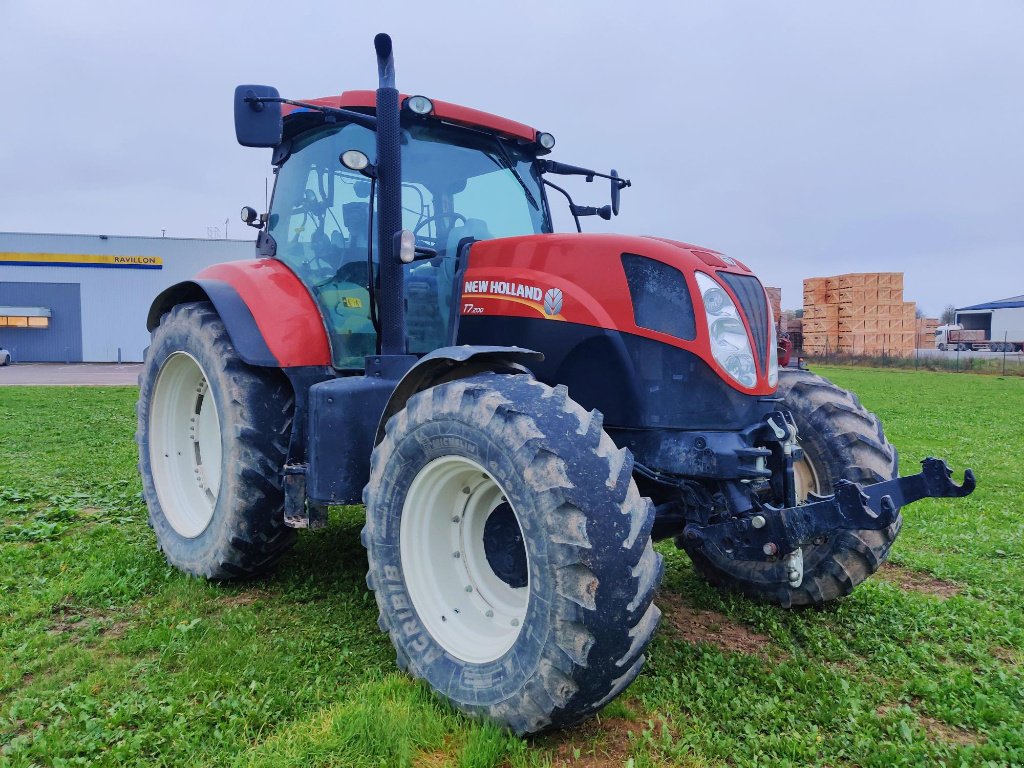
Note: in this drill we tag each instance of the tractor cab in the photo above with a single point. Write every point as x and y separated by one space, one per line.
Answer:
459 183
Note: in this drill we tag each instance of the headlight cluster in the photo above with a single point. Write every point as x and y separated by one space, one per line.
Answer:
730 344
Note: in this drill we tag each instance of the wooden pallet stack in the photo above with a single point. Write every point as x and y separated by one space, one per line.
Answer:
820 320
858 314
926 332
775 300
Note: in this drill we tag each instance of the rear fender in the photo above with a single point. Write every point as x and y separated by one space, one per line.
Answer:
452 363
267 311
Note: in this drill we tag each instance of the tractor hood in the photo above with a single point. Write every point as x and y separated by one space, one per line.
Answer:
646 286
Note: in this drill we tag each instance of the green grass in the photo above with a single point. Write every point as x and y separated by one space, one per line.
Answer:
1009 364
111 657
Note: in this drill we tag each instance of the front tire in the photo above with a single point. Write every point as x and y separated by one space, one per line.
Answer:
509 551
212 435
840 440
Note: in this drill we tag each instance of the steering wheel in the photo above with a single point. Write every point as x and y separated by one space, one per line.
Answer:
432 241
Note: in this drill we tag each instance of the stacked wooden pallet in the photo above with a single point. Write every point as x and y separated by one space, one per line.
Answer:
775 300
858 314
926 332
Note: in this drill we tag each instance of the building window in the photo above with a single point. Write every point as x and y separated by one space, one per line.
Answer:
24 317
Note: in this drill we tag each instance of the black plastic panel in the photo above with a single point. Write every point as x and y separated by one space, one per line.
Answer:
635 382
753 304
661 298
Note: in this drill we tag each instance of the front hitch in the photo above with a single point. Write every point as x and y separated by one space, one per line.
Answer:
772 532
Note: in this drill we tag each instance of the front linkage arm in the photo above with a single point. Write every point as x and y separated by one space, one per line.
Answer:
773 531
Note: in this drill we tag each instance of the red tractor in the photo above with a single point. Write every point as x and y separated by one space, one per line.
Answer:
522 412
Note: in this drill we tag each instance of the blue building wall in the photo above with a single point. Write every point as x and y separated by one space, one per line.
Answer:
114 297
61 342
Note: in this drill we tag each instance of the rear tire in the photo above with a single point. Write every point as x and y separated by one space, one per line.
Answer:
213 436
568 631
841 440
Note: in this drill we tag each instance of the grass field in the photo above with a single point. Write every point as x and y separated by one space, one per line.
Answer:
111 657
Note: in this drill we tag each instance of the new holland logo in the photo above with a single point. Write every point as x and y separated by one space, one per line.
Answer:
553 301
480 297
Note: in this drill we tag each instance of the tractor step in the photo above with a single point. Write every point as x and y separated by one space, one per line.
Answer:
298 511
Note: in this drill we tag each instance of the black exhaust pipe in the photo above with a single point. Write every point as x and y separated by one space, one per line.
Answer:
389 202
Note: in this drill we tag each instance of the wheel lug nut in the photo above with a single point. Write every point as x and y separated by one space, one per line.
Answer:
456 519
515 622
456 555
489 614
466 490
469 588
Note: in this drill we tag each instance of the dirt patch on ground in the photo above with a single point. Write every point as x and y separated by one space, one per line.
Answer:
694 625
597 743
242 598
917 581
950 734
1007 655
438 758
938 730
70 618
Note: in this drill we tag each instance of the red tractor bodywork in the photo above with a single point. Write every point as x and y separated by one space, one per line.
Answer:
529 266
444 110
286 315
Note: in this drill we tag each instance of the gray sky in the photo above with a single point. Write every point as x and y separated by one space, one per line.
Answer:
805 138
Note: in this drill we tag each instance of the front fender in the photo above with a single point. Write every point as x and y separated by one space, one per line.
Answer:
449 364
267 311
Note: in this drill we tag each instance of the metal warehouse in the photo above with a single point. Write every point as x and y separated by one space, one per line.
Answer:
1002 320
84 298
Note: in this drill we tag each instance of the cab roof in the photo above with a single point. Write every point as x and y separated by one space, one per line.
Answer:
444 110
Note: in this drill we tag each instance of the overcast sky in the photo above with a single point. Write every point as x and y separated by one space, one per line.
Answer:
805 138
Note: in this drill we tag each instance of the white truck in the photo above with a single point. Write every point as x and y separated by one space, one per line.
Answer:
997 326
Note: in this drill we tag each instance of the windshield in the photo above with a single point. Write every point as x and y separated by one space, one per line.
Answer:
456 184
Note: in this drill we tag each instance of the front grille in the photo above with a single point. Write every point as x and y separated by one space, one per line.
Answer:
753 304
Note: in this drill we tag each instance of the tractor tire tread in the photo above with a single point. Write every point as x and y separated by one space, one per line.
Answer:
852 439
254 536
555 441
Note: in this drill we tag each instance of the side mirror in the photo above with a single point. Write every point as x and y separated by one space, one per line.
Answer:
616 190
258 123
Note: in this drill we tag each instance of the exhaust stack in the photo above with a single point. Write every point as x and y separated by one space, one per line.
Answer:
389 202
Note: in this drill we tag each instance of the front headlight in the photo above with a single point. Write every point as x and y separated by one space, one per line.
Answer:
730 344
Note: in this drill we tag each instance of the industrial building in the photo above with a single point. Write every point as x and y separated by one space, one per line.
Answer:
84 298
1001 320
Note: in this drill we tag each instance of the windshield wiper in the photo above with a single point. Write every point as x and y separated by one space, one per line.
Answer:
512 167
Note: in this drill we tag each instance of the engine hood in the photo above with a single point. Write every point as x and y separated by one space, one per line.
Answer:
581 278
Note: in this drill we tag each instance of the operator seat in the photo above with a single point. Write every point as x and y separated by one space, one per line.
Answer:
356 218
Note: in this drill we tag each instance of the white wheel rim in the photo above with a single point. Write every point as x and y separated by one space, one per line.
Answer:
464 605
185 444
806 477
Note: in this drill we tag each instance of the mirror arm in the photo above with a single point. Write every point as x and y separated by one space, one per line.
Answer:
563 169
572 205
367 121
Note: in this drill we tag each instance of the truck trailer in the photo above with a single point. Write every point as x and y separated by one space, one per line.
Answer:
997 326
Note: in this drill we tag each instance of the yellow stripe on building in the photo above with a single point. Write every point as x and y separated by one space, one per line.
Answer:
80 260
